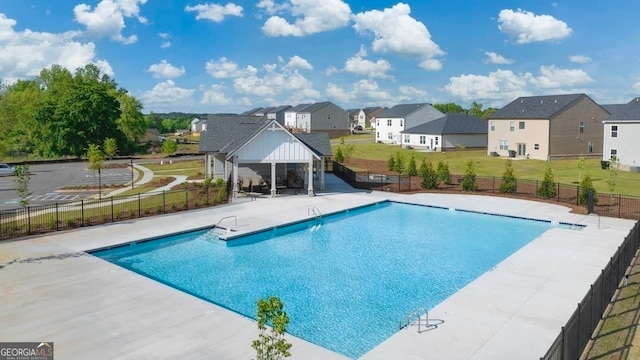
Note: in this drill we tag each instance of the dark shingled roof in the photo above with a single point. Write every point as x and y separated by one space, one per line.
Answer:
402 110
314 107
629 111
227 133
535 107
451 124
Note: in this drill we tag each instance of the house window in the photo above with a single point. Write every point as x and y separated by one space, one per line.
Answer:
581 127
377 135
512 125
613 154
521 125
328 116
377 122
590 147
423 139
436 141
536 146
407 138
504 144
400 122
614 131
388 122
493 126
390 135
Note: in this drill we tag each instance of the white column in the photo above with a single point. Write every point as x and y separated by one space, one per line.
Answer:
235 176
310 177
322 168
273 179
207 165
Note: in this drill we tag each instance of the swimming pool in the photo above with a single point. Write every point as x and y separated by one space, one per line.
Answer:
346 279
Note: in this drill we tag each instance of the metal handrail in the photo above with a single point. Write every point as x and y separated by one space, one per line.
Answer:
314 211
227 217
418 315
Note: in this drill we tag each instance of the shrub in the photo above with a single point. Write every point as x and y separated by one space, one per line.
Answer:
508 183
271 345
339 156
547 187
586 186
443 172
411 168
428 175
391 163
469 182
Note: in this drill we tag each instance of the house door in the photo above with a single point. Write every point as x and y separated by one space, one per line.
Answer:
522 149
431 147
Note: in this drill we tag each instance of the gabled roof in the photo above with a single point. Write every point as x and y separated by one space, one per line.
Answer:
317 142
278 109
297 108
402 110
628 111
315 107
536 107
226 134
251 112
451 123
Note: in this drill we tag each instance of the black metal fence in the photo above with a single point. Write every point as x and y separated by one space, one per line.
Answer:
62 216
575 335
612 205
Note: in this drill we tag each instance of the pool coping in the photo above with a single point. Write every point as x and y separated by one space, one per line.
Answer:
45 281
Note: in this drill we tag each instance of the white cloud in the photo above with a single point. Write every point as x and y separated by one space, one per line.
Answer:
636 86
166 43
366 92
224 68
165 94
360 66
311 17
296 62
165 70
580 59
528 27
270 7
503 85
495 58
395 31
107 18
25 53
215 12
412 92
214 95
554 78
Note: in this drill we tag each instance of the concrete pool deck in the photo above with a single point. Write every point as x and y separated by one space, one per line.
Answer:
51 290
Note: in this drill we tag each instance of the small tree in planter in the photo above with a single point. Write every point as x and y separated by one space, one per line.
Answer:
339 156
547 187
271 345
428 175
400 162
443 172
508 183
469 182
586 186
391 163
411 168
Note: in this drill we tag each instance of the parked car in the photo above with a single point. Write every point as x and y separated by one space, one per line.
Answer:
357 128
6 170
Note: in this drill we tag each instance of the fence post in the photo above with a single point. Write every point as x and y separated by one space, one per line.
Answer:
493 185
57 219
558 191
619 204
186 197
515 189
28 220
164 202
207 187
577 194
536 194
112 209
82 211
139 206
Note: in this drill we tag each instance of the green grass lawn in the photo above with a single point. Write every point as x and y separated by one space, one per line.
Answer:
564 171
192 168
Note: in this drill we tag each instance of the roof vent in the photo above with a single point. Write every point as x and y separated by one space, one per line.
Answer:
522 110
541 101
555 101
521 101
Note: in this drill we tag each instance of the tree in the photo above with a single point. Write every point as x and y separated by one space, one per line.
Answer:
271 345
508 184
469 182
391 163
348 151
96 157
428 175
110 147
614 171
476 110
449 108
400 162
131 121
411 167
586 186
339 156
581 164
23 176
169 147
443 172
547 187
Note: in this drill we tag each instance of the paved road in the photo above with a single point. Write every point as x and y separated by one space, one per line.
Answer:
47 179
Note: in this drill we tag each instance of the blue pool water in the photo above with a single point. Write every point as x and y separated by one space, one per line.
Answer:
346 283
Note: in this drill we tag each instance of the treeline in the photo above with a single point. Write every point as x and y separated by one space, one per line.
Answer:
60 113
169 123
475 110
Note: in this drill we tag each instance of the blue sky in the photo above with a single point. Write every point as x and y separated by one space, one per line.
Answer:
212 57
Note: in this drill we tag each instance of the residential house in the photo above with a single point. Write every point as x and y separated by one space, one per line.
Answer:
277 113
357 117
370 114
264 152
451 132
198 125
390 123
323 117
621 134
253 112
290 115
547 127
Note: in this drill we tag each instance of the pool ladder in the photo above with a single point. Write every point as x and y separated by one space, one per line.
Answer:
317 214
416 317
235 228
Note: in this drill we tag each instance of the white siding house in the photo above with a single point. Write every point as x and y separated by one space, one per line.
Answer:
621 134
390 123
453 131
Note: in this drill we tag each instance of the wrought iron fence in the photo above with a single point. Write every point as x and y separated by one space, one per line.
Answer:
62 216
577 332
612 205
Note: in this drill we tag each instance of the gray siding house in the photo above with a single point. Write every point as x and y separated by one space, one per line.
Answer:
451 132
323 117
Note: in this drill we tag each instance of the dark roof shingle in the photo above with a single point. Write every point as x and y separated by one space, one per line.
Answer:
451 124
535 107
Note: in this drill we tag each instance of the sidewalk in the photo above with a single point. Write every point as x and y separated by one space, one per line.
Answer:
147 176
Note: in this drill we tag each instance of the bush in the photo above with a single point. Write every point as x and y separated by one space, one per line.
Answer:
429 176
391 163
443 172
339 156
469 182
586 186
411 168
508 183
547 187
